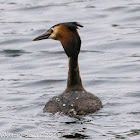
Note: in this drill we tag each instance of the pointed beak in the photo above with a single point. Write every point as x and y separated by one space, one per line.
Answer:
41 37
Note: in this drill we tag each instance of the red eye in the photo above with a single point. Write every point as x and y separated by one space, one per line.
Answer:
51 31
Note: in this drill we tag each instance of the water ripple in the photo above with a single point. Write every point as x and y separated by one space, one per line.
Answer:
33 72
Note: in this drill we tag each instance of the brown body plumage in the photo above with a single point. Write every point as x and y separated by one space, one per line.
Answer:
75 99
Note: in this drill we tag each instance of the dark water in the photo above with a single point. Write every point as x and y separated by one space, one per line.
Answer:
32 72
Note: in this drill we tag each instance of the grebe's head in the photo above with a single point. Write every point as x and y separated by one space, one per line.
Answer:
67 34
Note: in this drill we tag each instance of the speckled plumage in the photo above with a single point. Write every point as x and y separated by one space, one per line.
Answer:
82 102
75 99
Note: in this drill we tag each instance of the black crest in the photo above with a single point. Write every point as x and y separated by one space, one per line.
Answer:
71 25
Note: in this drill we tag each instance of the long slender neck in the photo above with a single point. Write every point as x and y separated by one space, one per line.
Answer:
72 46
74 80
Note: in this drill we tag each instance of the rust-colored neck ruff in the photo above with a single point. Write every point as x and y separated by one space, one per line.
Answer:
74 82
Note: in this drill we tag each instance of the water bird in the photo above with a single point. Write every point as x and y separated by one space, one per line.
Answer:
75 100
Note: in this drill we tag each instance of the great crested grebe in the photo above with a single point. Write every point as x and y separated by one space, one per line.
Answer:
75 98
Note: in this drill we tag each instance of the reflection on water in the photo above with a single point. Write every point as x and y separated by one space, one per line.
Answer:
33 72
76 135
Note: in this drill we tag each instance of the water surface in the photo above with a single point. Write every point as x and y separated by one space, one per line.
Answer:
33 72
